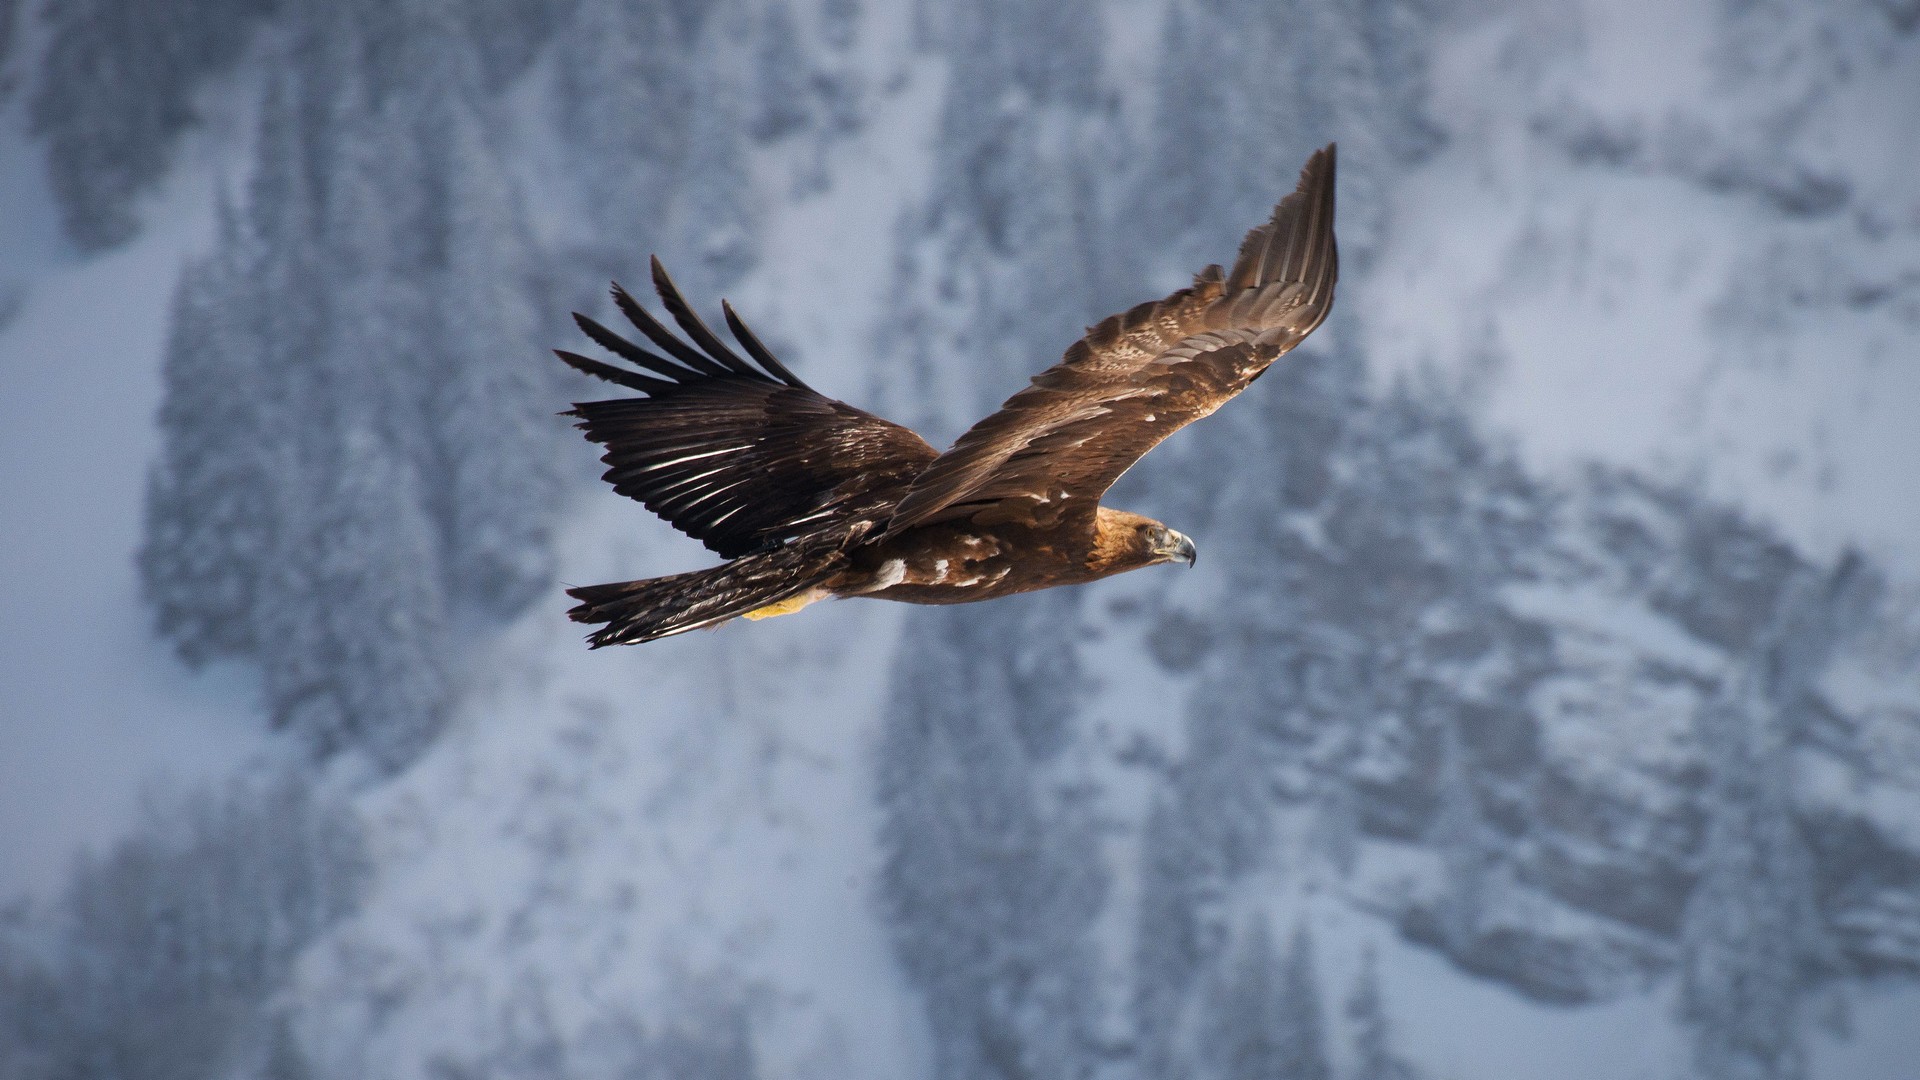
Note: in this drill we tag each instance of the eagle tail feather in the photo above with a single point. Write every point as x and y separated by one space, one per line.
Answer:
638 611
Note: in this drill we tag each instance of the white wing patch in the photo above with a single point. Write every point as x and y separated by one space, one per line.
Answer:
892 572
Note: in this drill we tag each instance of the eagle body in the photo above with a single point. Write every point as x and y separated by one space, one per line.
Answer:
809 498
959 562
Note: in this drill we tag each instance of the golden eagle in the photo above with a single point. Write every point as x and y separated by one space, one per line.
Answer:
807 497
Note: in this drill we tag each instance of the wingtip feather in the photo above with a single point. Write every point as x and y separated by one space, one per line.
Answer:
755 348
619 377
691 324
657 332
1297 241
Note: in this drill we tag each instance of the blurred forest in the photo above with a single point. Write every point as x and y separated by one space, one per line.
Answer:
1588 735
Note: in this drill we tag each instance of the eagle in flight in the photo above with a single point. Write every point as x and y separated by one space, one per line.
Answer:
808 498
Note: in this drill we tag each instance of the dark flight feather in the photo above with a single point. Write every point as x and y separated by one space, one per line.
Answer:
612 374
627 350
751 342
1055 447
690 323
739 454
657 333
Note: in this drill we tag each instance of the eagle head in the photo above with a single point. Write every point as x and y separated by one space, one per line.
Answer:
1166 545
1125 541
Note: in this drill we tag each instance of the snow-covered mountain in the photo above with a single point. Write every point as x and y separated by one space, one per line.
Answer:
1546 701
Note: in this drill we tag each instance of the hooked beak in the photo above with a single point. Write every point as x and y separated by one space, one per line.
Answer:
1176 547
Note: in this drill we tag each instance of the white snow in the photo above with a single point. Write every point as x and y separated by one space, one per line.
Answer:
610 828
92 708
601 834
1639 314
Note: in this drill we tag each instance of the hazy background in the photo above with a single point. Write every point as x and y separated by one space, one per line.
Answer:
1545 703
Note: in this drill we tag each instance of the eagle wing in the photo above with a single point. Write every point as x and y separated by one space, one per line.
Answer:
1058 445
737 452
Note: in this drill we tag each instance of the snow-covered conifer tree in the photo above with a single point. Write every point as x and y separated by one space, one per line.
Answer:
1459 832
1174 934
114 93
781 90
838 82
169 945
354 655
999 264
1176 212
1753 937
361 661
625 99
208 526
1300 1026
386 449
1373 1055
1347 72
990 880
1264 1019
285 1060
509 34
712 225
1397 36
839 23
485 403
9 31
1225 781
714 1044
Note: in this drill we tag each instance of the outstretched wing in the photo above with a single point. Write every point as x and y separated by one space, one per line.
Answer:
1055 447
736 451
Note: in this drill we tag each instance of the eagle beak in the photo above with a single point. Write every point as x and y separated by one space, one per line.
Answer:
1176 547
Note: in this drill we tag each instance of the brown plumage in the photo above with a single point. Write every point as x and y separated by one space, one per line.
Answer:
810 498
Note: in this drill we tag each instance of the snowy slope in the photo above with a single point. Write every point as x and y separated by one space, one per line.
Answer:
92 708
1624 249
603 840
1641 252
632 832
